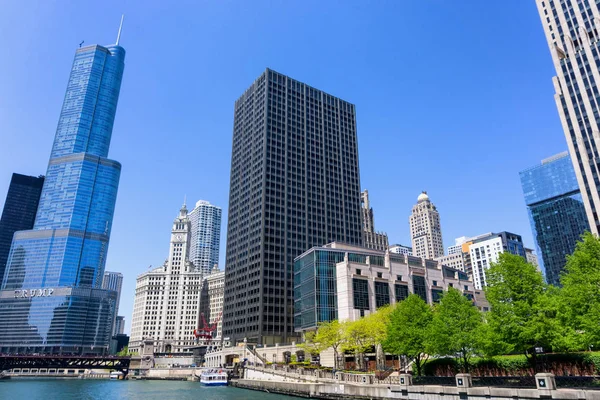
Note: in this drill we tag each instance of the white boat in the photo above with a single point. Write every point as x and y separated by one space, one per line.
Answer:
116 375
213 377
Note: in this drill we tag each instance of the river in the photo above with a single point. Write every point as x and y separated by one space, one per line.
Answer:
88 389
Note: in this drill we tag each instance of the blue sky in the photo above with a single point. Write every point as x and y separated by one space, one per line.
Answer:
452 97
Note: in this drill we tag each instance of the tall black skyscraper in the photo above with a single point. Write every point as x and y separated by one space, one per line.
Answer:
19 211
294 184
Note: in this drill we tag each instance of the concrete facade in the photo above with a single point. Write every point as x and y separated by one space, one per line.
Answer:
211 301
425 229
372 239
401 249
572 31
166 308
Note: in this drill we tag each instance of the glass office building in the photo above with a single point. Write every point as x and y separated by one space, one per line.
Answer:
205 221
19 211
294 185
556 212
51 299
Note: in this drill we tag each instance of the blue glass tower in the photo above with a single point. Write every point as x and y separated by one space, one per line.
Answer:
556 212
51 298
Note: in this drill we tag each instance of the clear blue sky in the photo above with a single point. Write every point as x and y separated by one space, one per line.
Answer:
452 97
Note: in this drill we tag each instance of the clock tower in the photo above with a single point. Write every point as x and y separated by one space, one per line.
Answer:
180 239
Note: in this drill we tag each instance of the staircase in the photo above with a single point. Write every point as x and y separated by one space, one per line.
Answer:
254 352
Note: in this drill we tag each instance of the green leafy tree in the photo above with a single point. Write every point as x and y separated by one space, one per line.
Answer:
456 327
409 329
124 352
580 295
366 333
331 334
523 313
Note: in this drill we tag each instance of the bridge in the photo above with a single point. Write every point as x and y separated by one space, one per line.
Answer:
9 361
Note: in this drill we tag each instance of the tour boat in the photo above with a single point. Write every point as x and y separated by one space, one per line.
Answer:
116 375
213 377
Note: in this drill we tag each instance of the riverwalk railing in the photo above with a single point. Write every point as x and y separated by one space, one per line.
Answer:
319 375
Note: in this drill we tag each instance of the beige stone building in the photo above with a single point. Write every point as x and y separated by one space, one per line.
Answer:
425 229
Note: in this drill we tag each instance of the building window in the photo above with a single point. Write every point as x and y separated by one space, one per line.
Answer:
419 287
398 277
380 274
435 283
358 271
436 295
382 294
401 292
361 294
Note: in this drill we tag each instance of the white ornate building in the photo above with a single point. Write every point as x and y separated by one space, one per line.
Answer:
167 299
425 229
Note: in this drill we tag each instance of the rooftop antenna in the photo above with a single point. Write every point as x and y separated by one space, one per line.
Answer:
120 27
184 199
81 43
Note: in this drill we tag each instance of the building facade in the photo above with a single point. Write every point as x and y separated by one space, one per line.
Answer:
119 325
425 229
166 307
19 211
485 250
572 30
556 212
372 239
294 184
401 249
532 258
454 260
205 221
114 281
51 299
211 300
344 282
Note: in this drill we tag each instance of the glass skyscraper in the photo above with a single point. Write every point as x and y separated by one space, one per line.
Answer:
572 30
294 185
51 299
205 221
19 211
556 212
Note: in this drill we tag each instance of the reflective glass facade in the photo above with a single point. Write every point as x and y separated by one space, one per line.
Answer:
556 212
65 252
19 211
205 220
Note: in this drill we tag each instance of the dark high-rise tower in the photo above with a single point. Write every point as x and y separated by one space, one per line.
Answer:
294 185
19 211
51 299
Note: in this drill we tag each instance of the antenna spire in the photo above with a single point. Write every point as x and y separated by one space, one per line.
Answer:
120 27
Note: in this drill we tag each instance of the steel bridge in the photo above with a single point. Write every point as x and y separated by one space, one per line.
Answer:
9 361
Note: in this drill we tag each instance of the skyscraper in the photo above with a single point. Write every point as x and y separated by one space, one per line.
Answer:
294 185
425 229
572 30
166 307
51 299
372 239
19 211
114 281
205 221
556 212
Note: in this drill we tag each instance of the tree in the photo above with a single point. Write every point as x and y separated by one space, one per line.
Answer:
580 295
331 334
408 330
123 352
456 327
523 308
366 333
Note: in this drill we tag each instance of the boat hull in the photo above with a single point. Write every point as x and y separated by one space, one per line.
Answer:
213 383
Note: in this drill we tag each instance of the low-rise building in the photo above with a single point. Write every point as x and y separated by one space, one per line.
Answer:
455 260
401 249
344 282
211 301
